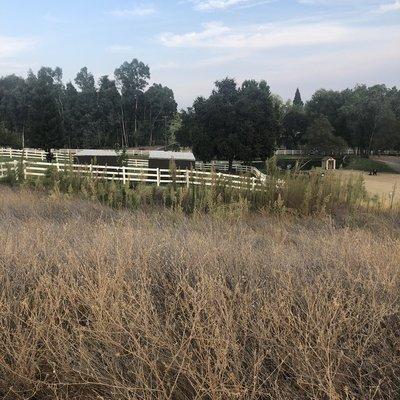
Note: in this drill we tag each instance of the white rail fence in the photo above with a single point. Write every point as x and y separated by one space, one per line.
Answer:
155 176
34 154
236 166
60 156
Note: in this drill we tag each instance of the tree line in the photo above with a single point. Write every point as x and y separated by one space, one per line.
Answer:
245 122
363 118
41 111
248 122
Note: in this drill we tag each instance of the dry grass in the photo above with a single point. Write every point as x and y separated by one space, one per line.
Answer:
385 186
103 304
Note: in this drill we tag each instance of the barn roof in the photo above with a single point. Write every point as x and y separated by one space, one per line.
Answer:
97 153
174 155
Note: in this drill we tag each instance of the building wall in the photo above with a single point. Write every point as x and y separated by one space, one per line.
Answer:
165 164
98 160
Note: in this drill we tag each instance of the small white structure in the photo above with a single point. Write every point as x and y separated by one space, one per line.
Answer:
328 163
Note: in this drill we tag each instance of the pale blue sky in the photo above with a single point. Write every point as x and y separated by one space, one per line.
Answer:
191 43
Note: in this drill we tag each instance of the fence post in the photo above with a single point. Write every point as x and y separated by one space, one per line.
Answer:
158 177
187 179
24 169
253 183
10 152
58 166
16 169
123 175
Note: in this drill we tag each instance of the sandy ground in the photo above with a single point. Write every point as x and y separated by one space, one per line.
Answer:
382 185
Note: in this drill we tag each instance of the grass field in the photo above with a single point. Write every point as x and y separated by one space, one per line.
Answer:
103 304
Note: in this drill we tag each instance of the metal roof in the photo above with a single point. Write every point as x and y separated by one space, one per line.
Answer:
174 155
97 153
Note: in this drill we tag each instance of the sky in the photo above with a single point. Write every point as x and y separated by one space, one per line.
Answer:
189 44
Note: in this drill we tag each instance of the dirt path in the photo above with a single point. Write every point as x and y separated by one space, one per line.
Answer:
392 161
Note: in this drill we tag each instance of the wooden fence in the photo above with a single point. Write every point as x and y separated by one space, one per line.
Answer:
157 176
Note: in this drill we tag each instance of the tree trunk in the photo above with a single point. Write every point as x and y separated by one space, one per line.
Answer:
136 107
151 131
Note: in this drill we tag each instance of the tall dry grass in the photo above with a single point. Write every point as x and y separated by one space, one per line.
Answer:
104 304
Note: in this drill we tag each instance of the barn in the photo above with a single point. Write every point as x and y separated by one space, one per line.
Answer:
163 159
99 157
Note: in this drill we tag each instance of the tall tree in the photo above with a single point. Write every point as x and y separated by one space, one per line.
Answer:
321 140
233 123
160 109
132 78
45 109
87 100
330 104
109 113
295 123
363 111
85 81
297 99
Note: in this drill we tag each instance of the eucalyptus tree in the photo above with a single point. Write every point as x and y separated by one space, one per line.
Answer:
160 108
132 78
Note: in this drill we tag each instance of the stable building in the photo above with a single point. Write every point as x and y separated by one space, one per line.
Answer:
98 157
164 159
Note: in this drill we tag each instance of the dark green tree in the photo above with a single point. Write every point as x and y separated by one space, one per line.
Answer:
330 104
297 99
363 110
44 126
160 109
132 78
295 123
321 140
88 130
109 116
234 123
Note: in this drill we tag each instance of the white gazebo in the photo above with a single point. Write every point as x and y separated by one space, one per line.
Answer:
328 163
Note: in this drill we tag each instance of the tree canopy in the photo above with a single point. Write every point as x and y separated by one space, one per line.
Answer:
320 139
243 121
47 113
297 99
235 122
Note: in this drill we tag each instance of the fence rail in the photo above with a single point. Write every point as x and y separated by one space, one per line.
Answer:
34 154
236 166
157 176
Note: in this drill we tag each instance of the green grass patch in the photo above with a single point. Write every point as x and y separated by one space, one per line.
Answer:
366 164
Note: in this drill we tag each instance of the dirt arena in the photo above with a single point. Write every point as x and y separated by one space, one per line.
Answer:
382 185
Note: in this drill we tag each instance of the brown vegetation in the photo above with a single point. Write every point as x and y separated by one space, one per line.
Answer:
103 304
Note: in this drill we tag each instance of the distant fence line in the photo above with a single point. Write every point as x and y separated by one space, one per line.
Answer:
158 176
67 156
34 154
